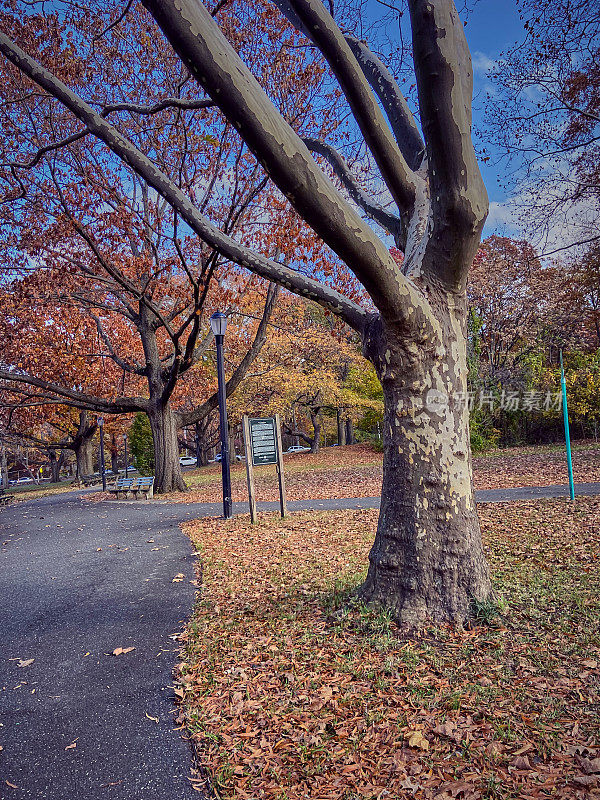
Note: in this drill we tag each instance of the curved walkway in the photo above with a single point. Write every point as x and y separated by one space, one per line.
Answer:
77 581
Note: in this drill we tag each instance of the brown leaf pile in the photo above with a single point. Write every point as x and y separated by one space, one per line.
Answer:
288 694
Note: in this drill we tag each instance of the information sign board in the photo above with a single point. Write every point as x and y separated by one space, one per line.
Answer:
263 441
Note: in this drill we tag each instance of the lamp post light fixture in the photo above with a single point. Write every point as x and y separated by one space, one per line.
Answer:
102 466
218 324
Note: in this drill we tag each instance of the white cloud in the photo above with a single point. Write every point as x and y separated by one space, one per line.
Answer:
482 64
503 217
574 224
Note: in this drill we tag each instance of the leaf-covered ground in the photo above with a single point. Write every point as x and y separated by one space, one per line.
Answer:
289 695
356 471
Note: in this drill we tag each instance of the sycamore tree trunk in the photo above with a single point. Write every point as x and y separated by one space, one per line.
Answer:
231 444
3 468
201 429
114 455
427 561
167 470
56 463
82 444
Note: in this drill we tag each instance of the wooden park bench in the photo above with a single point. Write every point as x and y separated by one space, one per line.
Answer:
134 486
123 486
5 499
144 486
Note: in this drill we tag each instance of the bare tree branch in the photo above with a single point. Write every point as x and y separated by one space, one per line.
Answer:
161 105
378 137
372 209
75 398
394 103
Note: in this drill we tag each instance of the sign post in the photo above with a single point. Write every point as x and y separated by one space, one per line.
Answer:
280 476
249 468
262 441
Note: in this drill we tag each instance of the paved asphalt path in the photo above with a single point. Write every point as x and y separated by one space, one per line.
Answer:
77 580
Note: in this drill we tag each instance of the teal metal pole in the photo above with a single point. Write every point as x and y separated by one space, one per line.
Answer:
563 386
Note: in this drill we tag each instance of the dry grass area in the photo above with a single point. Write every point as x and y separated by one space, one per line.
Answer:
356 471
289 692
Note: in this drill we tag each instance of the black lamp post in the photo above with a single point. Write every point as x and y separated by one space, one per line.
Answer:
218 324
102 466
126 462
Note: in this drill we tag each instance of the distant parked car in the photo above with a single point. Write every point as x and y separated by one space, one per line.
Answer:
238 457
25 480
297 448
187 461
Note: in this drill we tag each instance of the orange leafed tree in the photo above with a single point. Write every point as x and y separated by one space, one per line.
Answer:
119 256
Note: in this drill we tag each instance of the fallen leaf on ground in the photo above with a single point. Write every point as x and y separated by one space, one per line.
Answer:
119 651
154 719
179 577
416 739
26 662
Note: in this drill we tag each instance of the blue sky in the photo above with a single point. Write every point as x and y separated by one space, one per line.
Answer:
492 26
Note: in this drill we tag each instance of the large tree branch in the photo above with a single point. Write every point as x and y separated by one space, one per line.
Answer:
393 101
167 102
185 418
445 82
217 67
72 397
370 250
121 362
375 211
329 39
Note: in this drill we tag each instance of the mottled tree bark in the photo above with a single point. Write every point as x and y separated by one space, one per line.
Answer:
84 453
83 444
427 561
